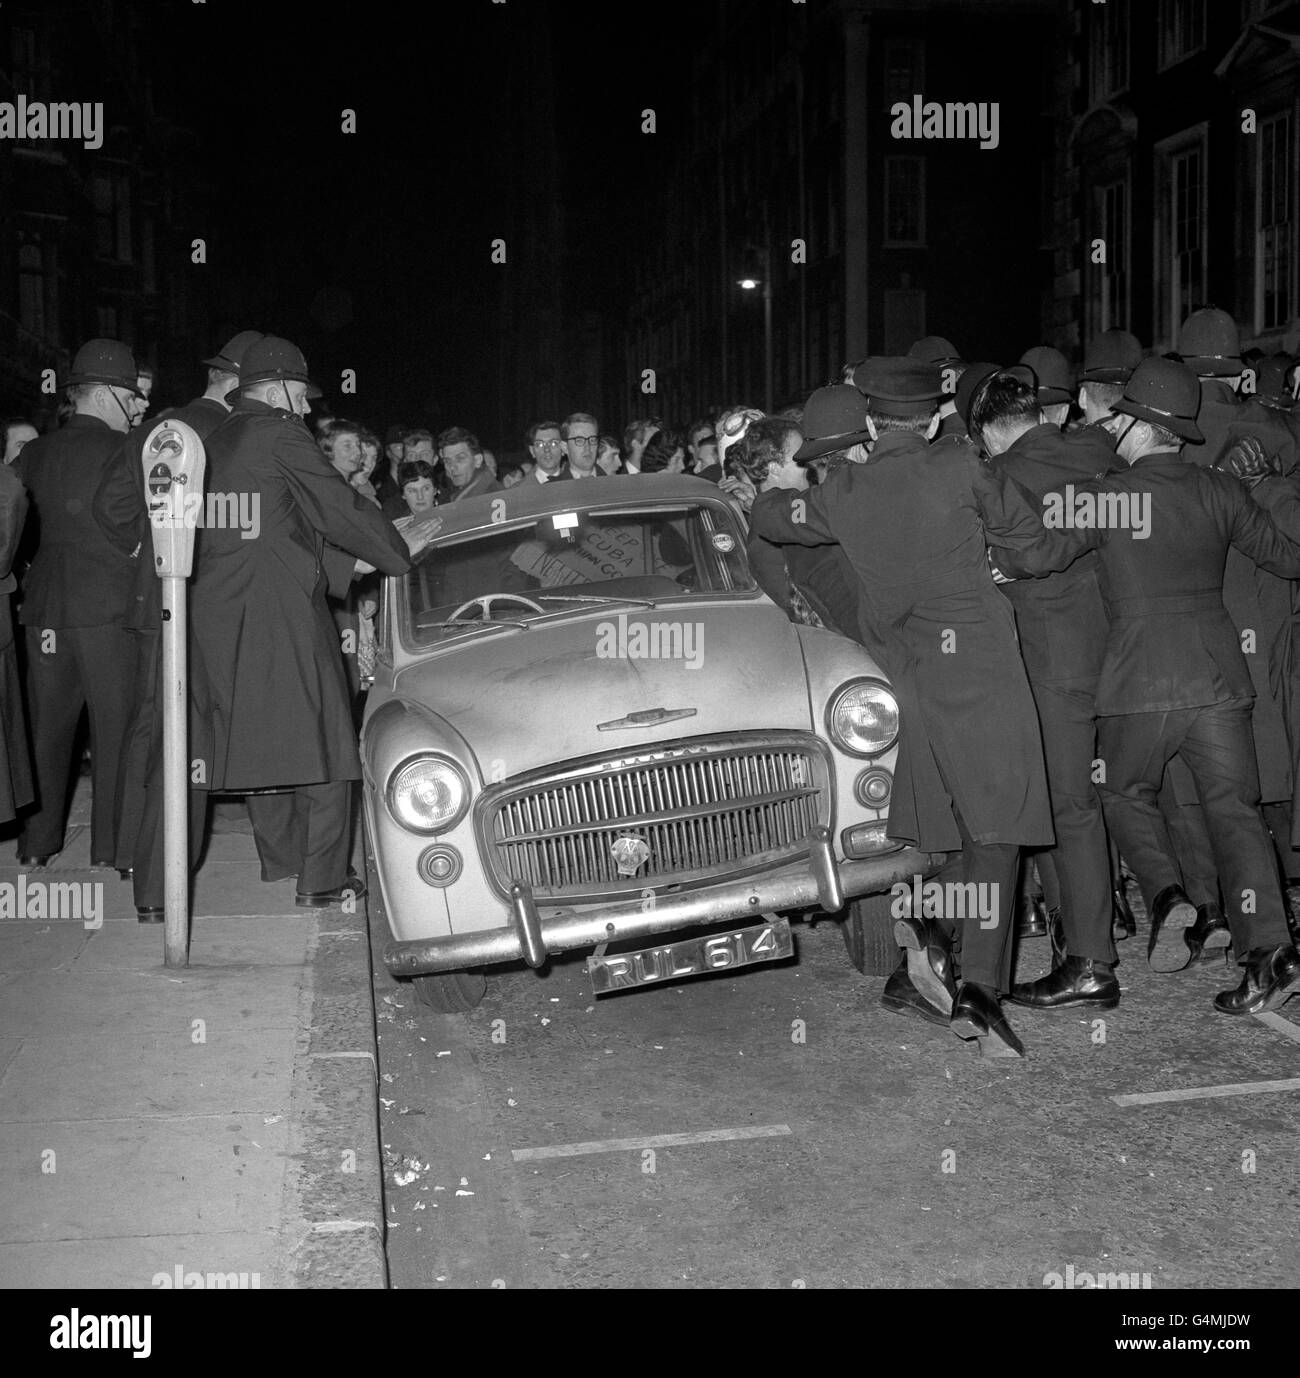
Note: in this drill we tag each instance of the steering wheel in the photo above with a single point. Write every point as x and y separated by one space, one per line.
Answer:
485 605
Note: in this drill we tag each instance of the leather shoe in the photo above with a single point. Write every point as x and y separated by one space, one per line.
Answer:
1123 922
126 872
929 963
901 996
149 915
29 863
1172 913
976 1014
1076 981
1031 916
1210 932
351 889
1272 978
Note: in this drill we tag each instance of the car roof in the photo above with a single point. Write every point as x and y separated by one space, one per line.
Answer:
531 499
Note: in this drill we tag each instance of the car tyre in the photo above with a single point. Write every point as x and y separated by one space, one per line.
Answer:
868 931
450 992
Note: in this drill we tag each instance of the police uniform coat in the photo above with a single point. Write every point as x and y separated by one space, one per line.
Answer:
16 787
270 702
1259 602
915 521
1061 620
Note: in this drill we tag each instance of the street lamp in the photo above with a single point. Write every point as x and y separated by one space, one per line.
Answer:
749 284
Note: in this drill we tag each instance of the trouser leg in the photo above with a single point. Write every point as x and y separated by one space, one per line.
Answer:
1081 860
1218 750
280 832
1133 748
1185 819
148 853
327 811
143 738
107 662
55 698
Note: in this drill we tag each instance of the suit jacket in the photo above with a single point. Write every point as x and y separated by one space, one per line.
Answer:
270 700
1171 643
122 511
1060 618
78 578
914 522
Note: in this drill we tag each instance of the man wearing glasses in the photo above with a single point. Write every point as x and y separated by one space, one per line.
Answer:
581 434
547 450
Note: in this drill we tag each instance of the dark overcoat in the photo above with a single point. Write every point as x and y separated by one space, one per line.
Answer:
269 697
915 521
1260 604
16 787
1060 618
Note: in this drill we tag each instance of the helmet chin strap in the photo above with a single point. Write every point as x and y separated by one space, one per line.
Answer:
125 414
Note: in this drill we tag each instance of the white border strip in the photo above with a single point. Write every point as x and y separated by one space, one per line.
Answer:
1284 1026
706 1136
1240 1088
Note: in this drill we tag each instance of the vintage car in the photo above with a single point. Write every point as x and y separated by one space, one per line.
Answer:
589 729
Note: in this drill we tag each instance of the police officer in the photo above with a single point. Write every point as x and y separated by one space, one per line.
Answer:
121 509
1056 383
1108 364
1062 628
915 521
943 354
1173 678
76 598
271 710
1259 603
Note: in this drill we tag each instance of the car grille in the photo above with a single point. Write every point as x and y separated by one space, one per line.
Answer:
705 811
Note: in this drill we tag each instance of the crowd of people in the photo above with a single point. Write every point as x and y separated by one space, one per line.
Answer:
1083 588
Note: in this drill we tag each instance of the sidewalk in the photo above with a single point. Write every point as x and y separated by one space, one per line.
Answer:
213 1120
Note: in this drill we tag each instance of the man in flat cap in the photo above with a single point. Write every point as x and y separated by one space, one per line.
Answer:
915 521
121 509
77 596
1173 677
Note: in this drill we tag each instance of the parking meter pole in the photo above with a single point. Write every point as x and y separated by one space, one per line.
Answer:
176 788
173 476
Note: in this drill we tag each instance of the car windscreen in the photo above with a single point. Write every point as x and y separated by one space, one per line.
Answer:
565 560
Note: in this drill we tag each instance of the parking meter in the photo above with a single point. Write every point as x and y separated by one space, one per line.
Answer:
173 479
173 461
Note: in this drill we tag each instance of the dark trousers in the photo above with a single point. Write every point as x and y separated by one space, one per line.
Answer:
147 856
143 739
307 832
1067 718
68 669
1215 744
1192 849
991 867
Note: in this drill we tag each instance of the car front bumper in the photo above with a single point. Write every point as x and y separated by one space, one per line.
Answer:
532 935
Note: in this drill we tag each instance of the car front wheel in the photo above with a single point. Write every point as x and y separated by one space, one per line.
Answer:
868 930
450 992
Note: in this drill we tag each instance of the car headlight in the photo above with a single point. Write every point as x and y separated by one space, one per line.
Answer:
427 794
863 718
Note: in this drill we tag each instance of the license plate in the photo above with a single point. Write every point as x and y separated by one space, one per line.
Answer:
695 957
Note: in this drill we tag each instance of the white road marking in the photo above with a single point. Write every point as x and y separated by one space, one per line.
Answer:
706 1136
1284 1026
1240 1088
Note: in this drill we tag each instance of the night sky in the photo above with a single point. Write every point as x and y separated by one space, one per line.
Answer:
371 251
